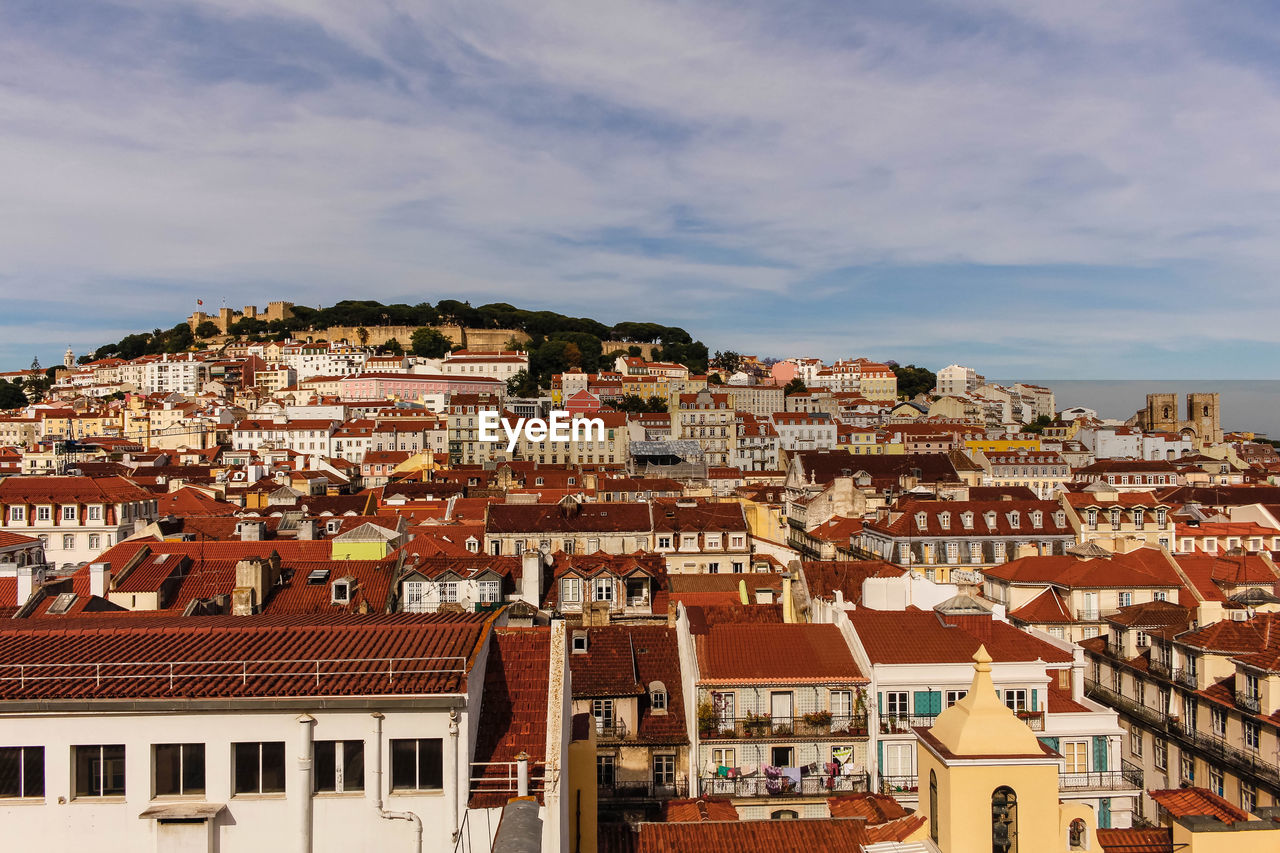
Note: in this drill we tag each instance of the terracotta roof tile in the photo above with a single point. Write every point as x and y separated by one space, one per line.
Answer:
719 836
1136 840
788 653
1197 802
923 636
707 808
513 713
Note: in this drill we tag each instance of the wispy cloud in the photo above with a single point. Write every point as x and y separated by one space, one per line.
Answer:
1059 189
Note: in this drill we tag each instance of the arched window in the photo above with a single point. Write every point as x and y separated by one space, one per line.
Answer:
933 806
784 814
657 697
1004 820
1078 835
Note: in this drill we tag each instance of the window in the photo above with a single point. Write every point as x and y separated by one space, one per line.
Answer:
602 710
1187 767
1215 780
1135 741
604 589
664 542
723 757
69 512
571 590
417 765
68 541
178 769
489 592
1218 719
1004 819
1016 699
580 641
1248 796
17 513
1126 598
95 541
339 765
449 591
841 705
954 696
1160 753
341 592
1159 595
414 596
658 696
99 771
1250 735
605 771
259 768
44 513
21 771
1076 752
895 704
664 770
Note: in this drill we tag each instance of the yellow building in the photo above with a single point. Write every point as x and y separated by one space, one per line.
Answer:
1003 445
988 784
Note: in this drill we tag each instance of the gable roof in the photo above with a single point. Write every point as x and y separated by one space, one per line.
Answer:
775 653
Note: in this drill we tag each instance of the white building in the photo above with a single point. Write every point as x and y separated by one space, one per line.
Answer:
496 365
174 374
955 379
75 518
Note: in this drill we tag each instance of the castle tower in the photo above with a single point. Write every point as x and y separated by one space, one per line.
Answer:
988 784
69 359
1161 413
1203 415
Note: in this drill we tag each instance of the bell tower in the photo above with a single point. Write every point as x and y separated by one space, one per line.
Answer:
988 785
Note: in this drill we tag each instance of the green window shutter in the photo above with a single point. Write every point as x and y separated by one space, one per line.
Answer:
880 757
1052 743
880 703
1104 813
1035 700
921 706
1099 753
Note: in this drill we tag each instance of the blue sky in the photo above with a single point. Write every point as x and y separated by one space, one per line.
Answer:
1040 189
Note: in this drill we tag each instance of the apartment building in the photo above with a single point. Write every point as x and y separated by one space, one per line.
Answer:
1113 519
707 418
75 518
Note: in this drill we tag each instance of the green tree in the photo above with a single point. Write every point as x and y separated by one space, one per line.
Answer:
795 386
714 379
208 329
11 396
429 343
1037 426
393 346
362 335
522 385
913 380
728 361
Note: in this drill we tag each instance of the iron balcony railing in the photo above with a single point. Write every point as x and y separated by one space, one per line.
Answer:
1251 702
1185 677
764 726
611 731
760 785
1129 776
503 777
1160 668
903 723
642 789
1095 690
898 784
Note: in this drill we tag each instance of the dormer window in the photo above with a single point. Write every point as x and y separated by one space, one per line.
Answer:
1115 518
1037 519
966 519
1015 520
944 520
1060 518
342 590
579 642
657 697
922 520
990 518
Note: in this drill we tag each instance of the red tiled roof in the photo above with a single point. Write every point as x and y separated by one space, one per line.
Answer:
784 653
1135 840
923 636
623 660
1197 802
513 712
1046 608
16 540
1144 567
896 830
1060 701
205 656
735 835
873 808
824 577
35 490
707 808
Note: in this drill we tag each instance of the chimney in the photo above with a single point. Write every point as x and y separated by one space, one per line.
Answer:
254 577
253 530
839 597
307 528
99 579
788 606
673 613
531 578
24 583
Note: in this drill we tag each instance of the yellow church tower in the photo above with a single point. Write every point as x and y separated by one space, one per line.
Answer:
988 785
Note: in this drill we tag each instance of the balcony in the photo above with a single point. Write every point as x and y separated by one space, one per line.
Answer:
903 723
1186 678
898 784
760 785
1159 668
1034 719
1132 707
764 727
611 731
642 789
1251 702
1129 776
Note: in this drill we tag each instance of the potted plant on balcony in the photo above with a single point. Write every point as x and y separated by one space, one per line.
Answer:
708 719
755 725
818 721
